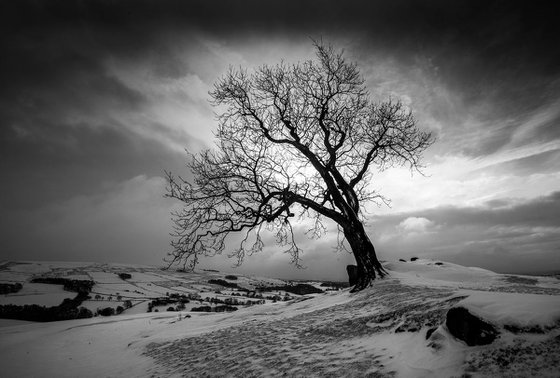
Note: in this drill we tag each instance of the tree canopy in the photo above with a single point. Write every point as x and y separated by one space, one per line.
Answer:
300 140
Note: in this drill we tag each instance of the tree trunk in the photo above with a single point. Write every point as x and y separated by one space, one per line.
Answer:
364 253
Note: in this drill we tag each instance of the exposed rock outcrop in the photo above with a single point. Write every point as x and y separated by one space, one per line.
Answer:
469 328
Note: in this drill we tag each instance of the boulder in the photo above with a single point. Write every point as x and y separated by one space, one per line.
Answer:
469 328
430 332
352 271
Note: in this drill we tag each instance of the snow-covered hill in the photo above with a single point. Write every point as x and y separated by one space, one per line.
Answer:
395 328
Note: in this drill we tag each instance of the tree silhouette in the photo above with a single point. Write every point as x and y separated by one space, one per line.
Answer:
299 139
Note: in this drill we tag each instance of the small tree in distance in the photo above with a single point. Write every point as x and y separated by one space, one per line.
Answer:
299 139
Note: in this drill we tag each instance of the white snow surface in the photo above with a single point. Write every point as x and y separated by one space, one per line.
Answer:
519 309
37 293
380 331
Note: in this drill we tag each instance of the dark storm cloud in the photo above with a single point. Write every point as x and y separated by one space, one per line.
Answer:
499 56
505 235
539 212
75 160
59 135
126 221
509 35
542 211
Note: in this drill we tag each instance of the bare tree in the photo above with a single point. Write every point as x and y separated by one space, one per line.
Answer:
299 139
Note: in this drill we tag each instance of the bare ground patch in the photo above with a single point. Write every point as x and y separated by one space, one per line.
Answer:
520 358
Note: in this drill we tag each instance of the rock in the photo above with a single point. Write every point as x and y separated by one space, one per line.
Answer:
529 329
413 258
352 271
402 260
469 328
405 328
429 332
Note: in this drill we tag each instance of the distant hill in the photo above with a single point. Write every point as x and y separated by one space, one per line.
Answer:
118 289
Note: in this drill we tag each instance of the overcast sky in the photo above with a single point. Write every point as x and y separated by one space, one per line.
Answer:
98 98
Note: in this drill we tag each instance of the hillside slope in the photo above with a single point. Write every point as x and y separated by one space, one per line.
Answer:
395 328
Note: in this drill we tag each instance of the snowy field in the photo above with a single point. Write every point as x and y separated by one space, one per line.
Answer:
37 293
396 328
